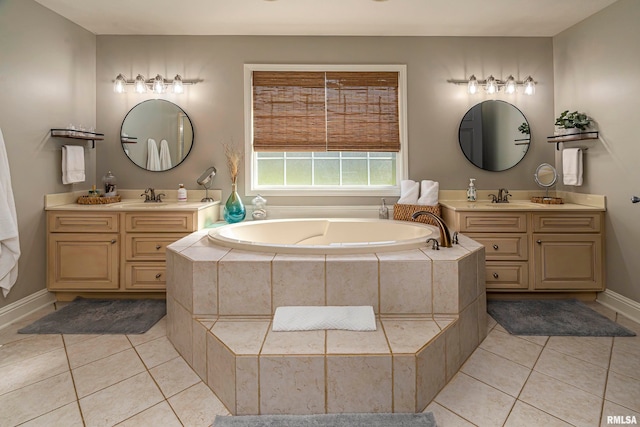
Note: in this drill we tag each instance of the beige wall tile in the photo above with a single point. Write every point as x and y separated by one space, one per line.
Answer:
358 384
298 280
453 350
294 342
205 288
199 353
244 286
469 330
221 372
405 286
180 280
292 385
431 372
247 400
482 317
404 383
352 280
468 279
180 329
445 287
241 337
409 336
351 342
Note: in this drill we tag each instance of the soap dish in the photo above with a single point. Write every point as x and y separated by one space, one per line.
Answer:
98 200
548 200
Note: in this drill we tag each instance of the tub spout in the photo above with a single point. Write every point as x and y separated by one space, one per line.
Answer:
445 236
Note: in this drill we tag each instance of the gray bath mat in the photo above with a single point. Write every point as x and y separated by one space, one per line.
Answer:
101 316
328 420
553 318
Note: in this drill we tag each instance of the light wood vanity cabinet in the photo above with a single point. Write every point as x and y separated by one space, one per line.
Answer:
537 251
98 252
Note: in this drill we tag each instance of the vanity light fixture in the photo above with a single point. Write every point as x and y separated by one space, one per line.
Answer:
158 84
492 85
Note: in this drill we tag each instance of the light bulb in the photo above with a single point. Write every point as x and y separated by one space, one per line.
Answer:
510 86
472 87
158 84
177 84
140 85
491 86
120 84
529 86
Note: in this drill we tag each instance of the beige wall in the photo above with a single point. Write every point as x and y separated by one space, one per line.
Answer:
47 80
435 107
597 70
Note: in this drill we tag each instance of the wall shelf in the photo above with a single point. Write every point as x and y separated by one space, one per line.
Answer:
78 134
578 136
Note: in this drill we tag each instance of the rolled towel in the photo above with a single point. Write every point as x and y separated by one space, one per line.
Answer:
312 318
428 192
72 164
409 191
572 166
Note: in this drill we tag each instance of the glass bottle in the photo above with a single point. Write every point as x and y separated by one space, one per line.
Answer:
109 183
259 208
234 211
383 212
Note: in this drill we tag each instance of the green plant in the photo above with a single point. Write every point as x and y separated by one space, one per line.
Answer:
524 128
576 120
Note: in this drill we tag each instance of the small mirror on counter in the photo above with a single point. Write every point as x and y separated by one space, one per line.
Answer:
156 135
494 135
546 176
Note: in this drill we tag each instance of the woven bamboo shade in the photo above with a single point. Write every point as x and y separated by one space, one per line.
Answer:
318 111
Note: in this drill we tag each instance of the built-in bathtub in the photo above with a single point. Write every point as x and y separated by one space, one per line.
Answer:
323 236
223 286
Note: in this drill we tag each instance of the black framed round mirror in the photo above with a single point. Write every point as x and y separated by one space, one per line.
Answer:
156 135
494 135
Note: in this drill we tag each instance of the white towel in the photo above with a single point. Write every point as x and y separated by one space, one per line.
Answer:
312 318
72 164
409 191
9 241
165 156
428 192
153 158
572 166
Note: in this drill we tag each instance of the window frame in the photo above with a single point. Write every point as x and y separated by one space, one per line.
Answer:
250 158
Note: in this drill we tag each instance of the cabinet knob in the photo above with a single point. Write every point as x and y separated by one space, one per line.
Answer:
495 247
495 275
158 275
158 247
113 241
539 242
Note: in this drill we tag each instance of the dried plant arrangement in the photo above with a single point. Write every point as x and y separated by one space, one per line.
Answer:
234 157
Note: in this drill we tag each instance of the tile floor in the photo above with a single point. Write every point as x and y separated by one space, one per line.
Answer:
140 380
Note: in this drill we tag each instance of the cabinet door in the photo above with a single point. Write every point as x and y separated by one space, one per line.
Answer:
83 262
568 261
501 275
145 276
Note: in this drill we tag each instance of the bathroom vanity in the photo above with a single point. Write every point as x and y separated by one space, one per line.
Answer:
532 247
117 248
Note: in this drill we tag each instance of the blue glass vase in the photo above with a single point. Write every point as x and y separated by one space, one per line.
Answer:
234 211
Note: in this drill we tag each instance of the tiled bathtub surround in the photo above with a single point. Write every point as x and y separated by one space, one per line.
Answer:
430 305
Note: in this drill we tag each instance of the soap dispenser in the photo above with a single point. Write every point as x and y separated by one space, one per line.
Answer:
383 212
471 191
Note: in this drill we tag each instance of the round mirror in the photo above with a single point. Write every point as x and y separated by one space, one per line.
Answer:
494 135
156 135
546 175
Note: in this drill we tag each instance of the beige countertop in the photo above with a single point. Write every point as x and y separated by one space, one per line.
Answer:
521 201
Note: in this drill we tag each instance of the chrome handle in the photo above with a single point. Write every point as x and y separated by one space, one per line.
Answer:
539 242
495 247
113 241
495 275
158 247
635 199
158 275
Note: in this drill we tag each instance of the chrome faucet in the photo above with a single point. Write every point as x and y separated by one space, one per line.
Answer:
151 196
445 236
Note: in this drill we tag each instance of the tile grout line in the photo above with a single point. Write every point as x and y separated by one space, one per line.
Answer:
73 381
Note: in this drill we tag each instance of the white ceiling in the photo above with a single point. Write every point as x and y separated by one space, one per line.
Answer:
328 17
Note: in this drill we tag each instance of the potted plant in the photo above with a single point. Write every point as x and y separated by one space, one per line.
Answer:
572 123
524 128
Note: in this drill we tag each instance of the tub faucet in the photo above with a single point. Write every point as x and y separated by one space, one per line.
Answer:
434 242
445 236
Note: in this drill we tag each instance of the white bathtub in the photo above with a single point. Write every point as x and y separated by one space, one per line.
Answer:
323 236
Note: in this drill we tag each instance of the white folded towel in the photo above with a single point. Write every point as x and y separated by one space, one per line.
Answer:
409 191
428 192
165 156
312 318
153 158
572 166
9 239
72 164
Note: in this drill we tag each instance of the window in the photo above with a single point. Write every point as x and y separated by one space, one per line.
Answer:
333 131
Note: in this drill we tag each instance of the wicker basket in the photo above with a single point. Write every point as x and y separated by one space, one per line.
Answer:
404 213
548 200
93 200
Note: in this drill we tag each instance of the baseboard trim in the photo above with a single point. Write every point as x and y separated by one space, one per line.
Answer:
25 306
623 305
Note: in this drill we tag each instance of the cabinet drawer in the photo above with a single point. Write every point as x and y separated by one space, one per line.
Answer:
507 275
143 247
82 222
567 223
505 246
159 222
145 276
504 222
